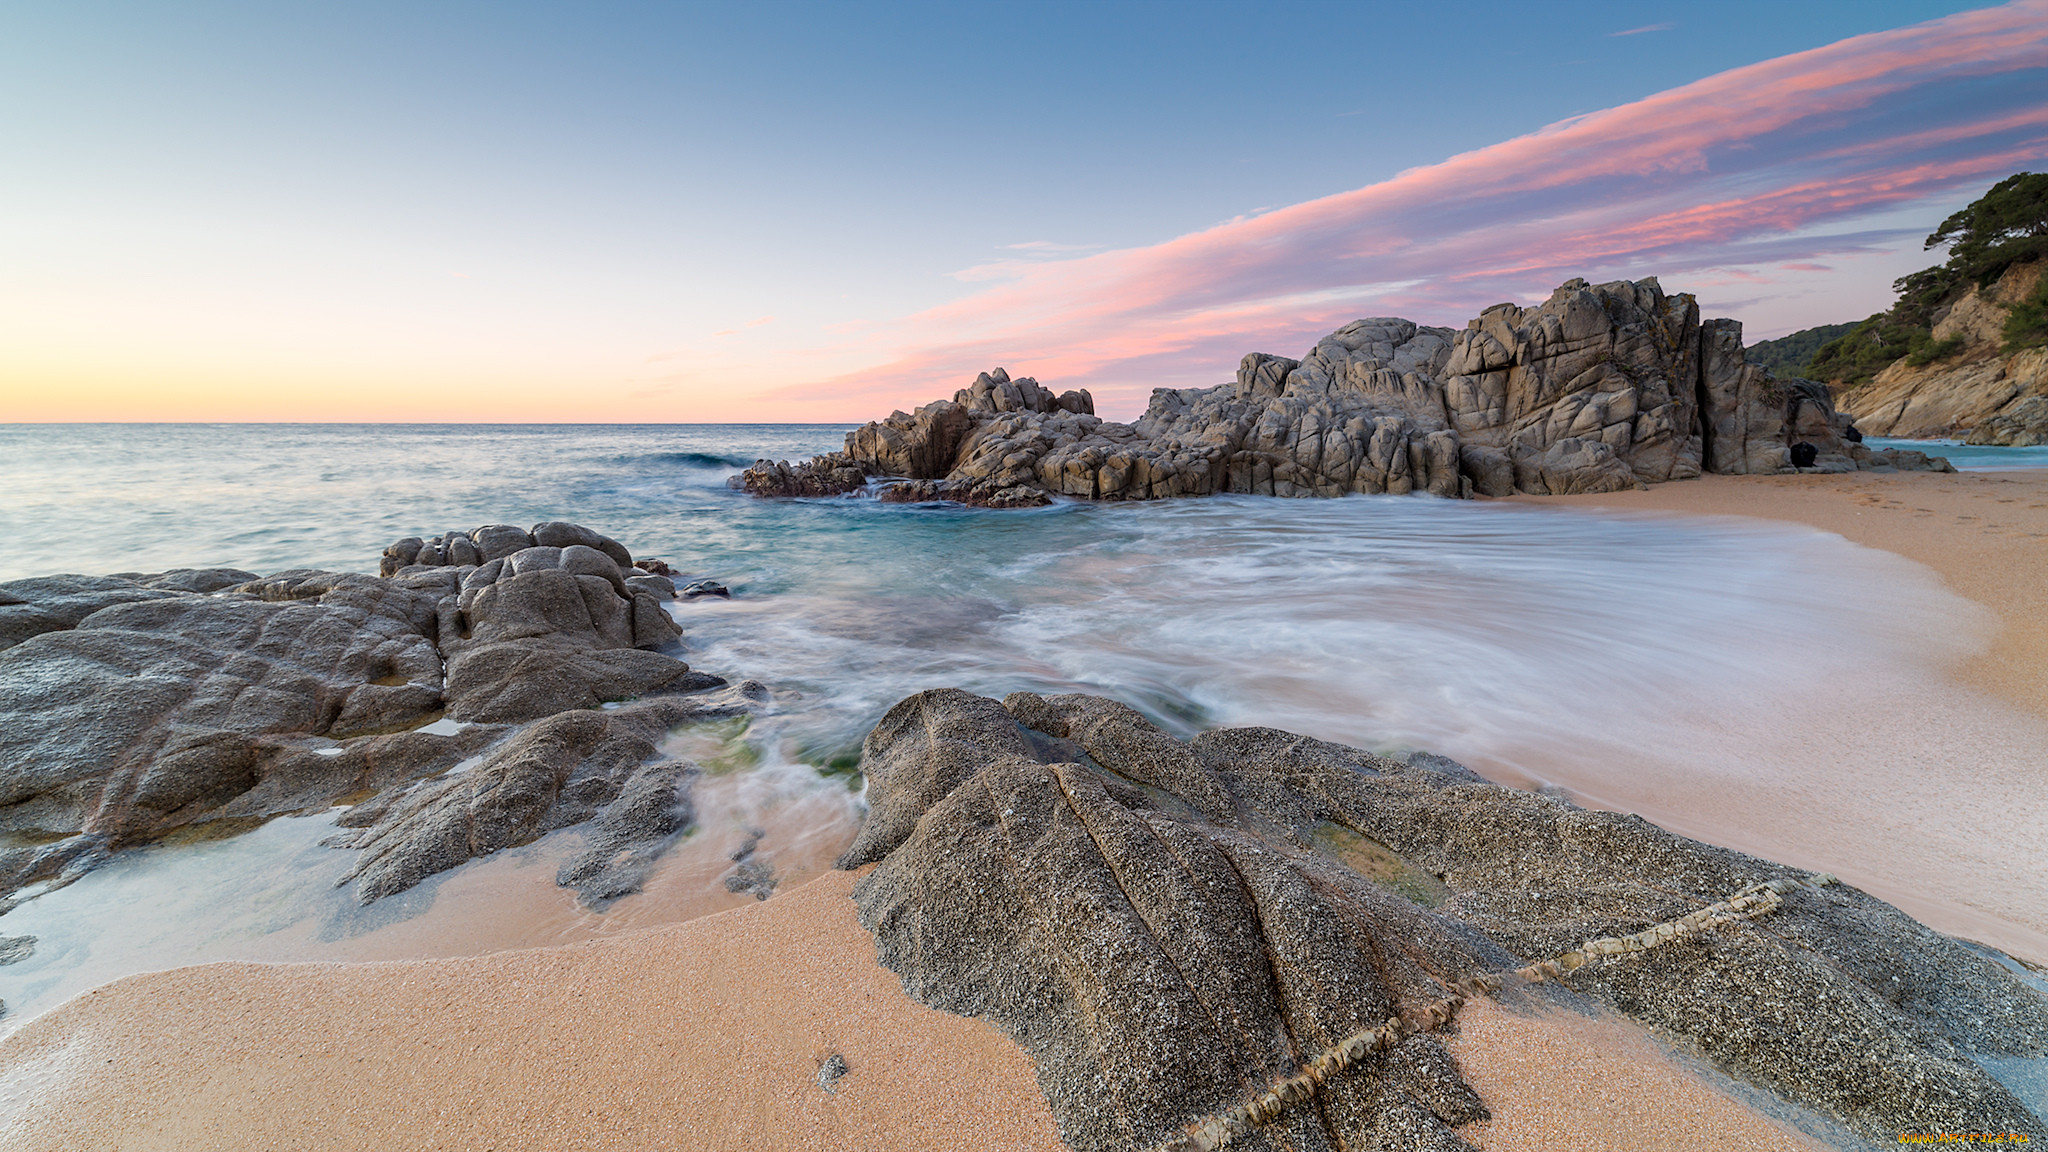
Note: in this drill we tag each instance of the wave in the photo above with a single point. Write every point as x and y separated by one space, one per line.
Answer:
696 459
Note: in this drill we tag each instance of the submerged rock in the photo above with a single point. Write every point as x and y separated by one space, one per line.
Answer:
1601 387
1170 927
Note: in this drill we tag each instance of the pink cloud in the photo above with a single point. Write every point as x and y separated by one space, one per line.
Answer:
1747 166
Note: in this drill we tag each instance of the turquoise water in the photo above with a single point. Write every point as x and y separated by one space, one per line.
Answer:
1971 458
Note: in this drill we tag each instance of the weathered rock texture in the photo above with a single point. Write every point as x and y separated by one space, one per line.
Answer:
136 705
52 603
569 768
2022 424
1981 393
1167 928
1602 387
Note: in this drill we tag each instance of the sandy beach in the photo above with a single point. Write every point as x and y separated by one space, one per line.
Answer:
709 1034
712 1033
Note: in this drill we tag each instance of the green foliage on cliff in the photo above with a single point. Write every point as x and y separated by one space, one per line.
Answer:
1789 355
1928 351
2026 326
2007 225
1866 350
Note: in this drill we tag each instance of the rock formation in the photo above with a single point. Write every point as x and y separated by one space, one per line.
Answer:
1981 392
1601 387
1170 928
132 706
571 767
2021 424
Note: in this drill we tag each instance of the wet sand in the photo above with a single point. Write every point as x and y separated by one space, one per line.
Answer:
708 1034
1986 533
1924 785
705 1035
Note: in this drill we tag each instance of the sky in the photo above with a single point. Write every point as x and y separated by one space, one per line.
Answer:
681 212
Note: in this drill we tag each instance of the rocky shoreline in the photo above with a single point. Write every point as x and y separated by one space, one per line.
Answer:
1178 934
1600 388
141 704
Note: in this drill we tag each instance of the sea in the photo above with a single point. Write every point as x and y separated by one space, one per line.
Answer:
1972 457
1687 668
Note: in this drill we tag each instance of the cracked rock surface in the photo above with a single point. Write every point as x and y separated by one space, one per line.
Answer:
1167 927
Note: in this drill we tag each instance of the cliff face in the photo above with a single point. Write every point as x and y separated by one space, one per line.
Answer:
1602 387
1981 393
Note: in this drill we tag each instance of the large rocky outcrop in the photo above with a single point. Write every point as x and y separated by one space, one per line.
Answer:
1167 928
1601 387
136 705
1979 388
544 620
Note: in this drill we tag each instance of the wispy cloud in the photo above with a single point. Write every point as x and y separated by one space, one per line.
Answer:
1640 31
1050 246
1749 167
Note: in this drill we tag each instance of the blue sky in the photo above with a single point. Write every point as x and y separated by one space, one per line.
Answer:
678 212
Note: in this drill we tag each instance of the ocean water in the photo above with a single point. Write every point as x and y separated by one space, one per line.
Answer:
1971 457
1753 683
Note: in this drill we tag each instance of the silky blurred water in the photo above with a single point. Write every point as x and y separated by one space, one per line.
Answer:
1692 669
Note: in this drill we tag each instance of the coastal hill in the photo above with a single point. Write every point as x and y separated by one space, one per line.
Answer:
1600 388
1789 355
1963 351
1989 390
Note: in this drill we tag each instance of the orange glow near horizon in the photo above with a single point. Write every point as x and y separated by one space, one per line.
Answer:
1730 180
